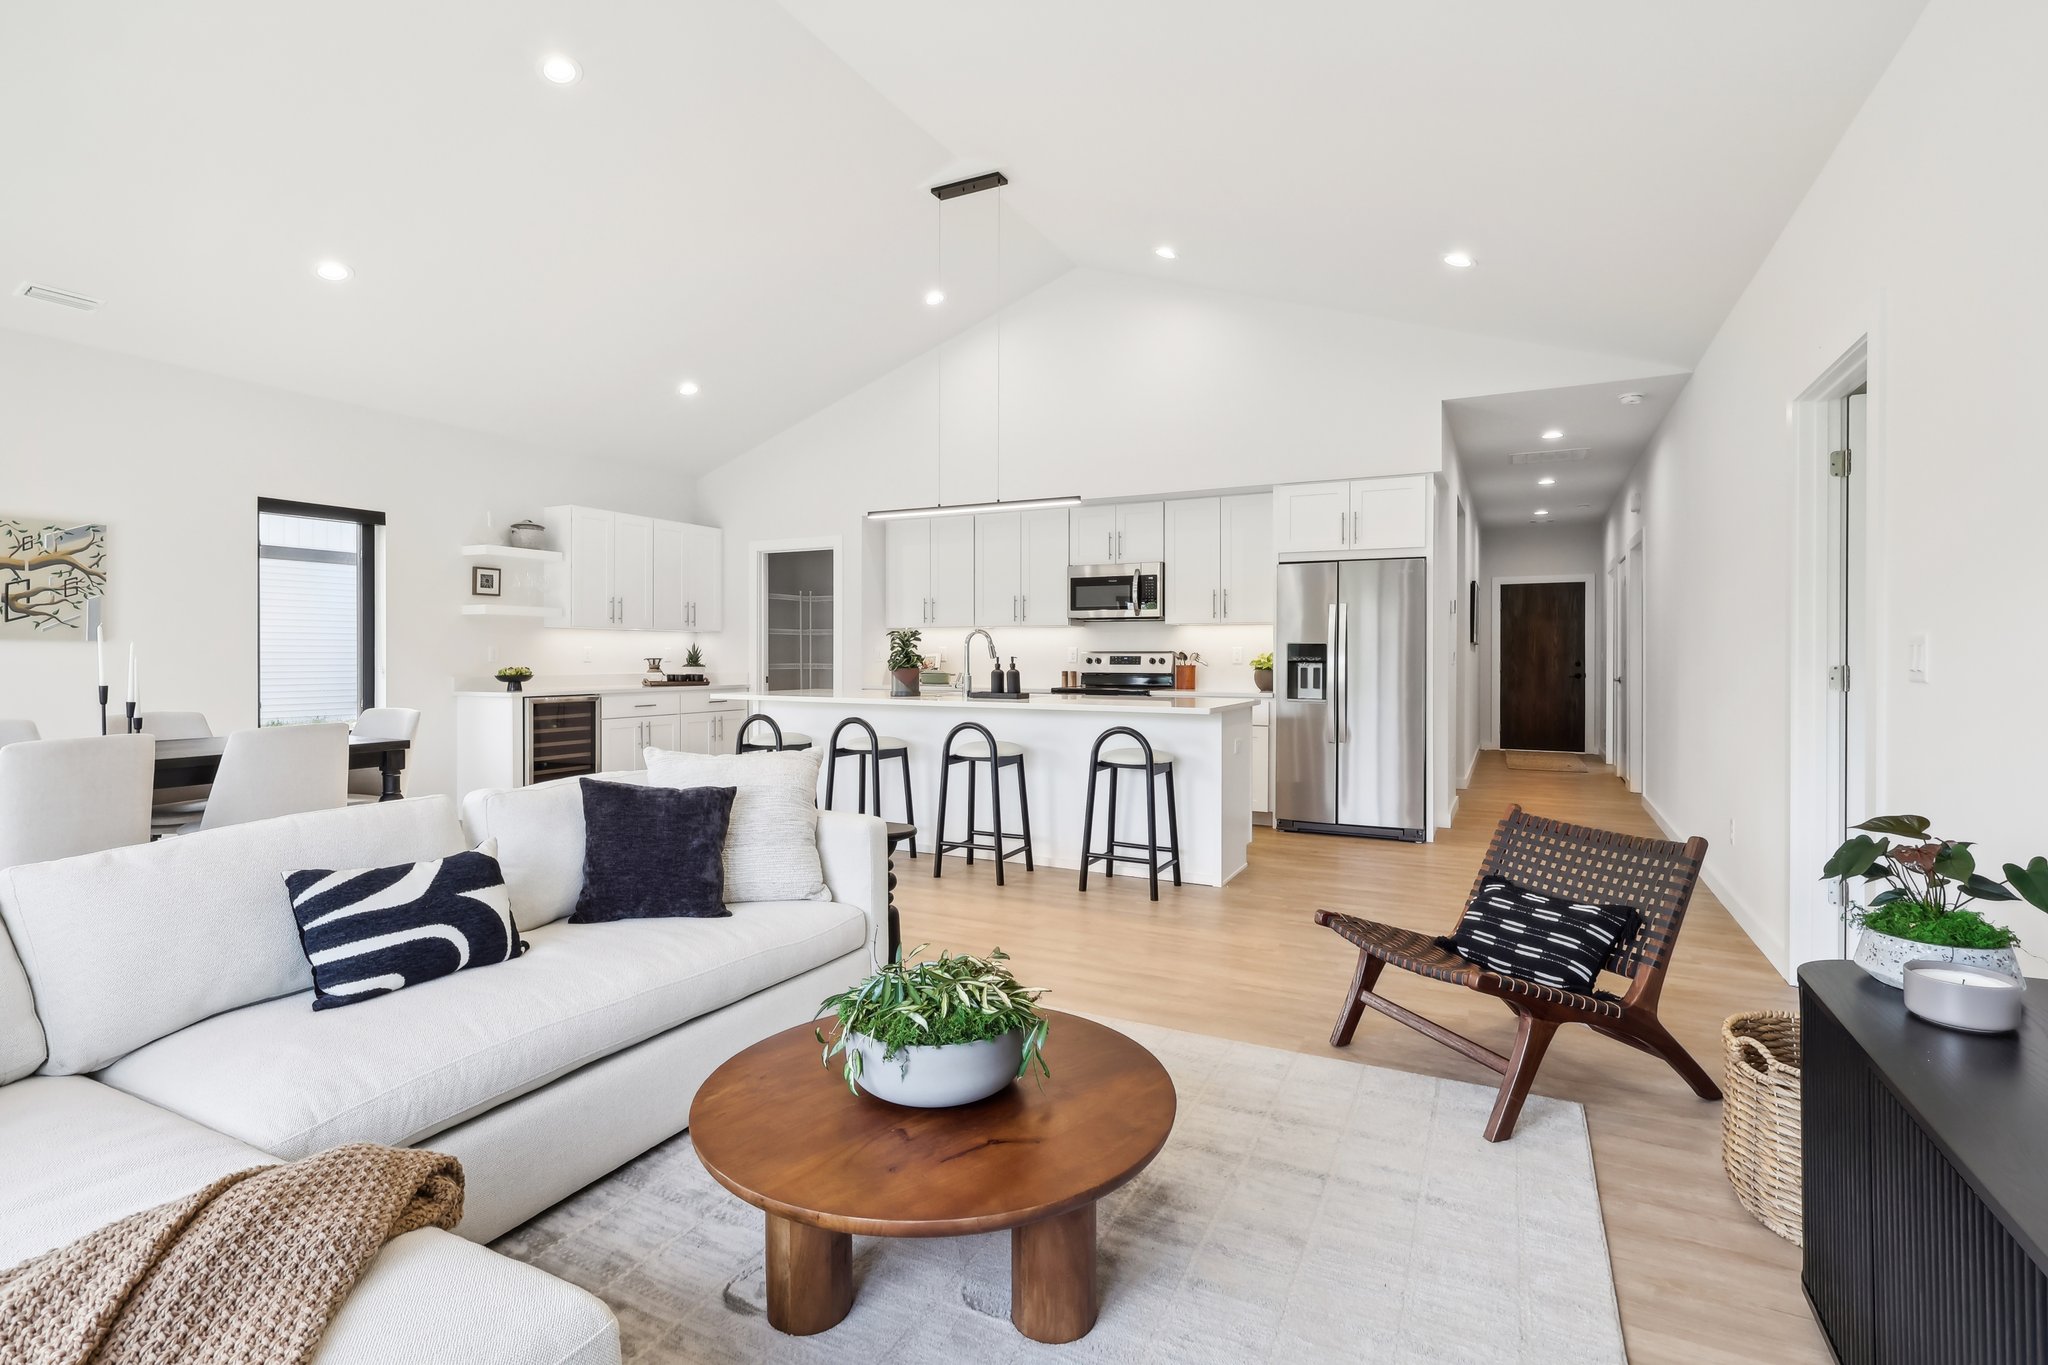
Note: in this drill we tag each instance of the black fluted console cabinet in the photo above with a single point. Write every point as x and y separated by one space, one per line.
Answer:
1926 1181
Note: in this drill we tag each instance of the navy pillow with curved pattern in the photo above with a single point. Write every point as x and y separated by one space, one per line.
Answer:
371 931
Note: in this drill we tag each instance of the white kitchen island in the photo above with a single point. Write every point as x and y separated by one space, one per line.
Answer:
1210 739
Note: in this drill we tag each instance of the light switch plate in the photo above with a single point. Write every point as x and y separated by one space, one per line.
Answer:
1917 650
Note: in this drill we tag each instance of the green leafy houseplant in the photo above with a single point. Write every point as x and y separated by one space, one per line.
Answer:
1263 663
953 998
694 658
903 649
514 676
1932 883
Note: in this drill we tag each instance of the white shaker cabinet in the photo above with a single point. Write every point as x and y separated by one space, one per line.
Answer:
1118 533
1020 567
928 572
1246 550
1352 516
689 577
1219 559
621 571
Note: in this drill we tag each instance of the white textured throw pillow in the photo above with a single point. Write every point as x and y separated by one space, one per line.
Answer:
771 847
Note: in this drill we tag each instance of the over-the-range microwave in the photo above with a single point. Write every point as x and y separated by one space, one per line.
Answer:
1122 592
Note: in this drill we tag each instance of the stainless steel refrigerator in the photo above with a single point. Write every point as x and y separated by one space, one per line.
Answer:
1351 702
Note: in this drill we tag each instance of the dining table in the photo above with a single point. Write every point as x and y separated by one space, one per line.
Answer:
193 762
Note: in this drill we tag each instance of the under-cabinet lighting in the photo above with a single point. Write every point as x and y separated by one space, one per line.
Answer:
961 508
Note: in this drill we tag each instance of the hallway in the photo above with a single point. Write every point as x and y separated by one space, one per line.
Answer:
1247 962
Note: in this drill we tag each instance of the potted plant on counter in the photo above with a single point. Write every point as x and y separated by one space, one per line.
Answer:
514 677
905 663
939 1033
1262 671
1924 911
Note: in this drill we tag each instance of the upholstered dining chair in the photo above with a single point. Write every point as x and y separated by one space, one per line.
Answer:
1654 876
18 731
278 770
175 807
63 797
379 722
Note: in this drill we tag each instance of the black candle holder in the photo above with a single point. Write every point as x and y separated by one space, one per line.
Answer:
103 708
134 725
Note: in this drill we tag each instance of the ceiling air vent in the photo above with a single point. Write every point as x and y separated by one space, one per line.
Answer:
1549 456
59 296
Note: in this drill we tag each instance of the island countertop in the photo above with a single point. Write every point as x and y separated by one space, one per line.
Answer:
1176 704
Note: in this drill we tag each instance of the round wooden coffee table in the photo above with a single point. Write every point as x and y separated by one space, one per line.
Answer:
783 1133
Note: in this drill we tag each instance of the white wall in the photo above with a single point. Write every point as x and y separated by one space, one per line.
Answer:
1526 552
1918 233
1113 386
172 462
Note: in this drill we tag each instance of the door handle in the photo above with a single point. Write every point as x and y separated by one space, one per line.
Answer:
1343 674
1330 673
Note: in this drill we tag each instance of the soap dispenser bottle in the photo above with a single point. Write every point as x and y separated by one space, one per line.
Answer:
1011 682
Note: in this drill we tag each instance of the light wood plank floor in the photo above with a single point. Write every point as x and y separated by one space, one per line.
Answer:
1699 1282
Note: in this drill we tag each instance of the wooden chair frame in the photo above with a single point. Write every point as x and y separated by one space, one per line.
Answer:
1655 876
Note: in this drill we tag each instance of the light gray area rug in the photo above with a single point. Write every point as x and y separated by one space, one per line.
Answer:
1305 1209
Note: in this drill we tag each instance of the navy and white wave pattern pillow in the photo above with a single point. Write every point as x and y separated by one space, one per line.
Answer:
371 931
1518 932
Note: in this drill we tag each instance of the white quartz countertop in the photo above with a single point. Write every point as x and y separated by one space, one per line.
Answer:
1186 704
590 687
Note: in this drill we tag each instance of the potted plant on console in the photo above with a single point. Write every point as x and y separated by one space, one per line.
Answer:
1262 671
1924 911
905 663
514 677
938 1033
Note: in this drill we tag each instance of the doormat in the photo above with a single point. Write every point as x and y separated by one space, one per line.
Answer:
1546 763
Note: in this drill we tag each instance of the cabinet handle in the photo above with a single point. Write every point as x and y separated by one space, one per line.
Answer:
1354 526
1343 523
1212 604
1109 546
1024 608
1226 604
1119 547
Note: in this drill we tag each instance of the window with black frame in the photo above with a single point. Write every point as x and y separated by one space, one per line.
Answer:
316 614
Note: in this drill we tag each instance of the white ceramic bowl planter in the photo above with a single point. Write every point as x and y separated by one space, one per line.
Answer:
1885 957
938 1077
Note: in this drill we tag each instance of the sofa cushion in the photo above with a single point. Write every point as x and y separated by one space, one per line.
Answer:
539 830
125 946
403 1067
370 931
652 851
79 1155
771 849
21 1033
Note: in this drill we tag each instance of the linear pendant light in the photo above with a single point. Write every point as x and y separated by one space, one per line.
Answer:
990 180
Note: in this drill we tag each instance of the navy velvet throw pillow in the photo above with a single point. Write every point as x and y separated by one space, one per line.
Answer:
652 852
371 931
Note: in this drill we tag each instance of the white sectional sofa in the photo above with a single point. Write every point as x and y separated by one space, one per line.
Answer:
156 1032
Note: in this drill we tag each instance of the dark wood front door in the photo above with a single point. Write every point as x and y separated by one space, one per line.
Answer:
1543 666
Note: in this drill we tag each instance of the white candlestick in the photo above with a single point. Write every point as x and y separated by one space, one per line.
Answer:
99 645
131 672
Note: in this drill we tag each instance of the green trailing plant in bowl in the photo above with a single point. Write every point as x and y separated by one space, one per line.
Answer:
514 677
953 998
1263 663
1932 882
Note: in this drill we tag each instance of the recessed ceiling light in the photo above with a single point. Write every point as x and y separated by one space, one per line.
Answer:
333 271
1165 253
1553 435
688 388
1545 481
1458 260
1543 511
934 297
560 70
1631 398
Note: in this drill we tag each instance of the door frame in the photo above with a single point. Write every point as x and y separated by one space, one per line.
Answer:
1815 929
757 603
1591 614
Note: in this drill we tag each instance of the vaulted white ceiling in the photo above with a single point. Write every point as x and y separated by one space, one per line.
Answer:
734 191
1616 167
1501 447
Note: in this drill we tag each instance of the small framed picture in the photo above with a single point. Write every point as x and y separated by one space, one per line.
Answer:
486 582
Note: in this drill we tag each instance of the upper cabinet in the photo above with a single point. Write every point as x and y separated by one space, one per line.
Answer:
1020 567
620 571
1219 559
689 577
1117 533
1352 516
928 572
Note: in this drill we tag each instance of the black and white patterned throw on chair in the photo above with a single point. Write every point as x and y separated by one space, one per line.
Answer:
1518 932
370 931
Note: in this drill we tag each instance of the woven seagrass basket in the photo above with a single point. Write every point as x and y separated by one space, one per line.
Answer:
1760 1116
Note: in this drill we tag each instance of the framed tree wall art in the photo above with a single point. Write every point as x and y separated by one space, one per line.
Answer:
51 577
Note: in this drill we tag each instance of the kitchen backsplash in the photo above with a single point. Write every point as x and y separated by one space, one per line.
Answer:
1041 652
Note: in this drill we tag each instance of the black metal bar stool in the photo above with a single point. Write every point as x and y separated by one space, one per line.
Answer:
896 833
868 749
792 740
981 747
1143 759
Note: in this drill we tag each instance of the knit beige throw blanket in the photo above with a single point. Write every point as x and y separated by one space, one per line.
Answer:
245 1272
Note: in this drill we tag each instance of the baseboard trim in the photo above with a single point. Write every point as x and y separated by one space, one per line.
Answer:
1774 947
1471 766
